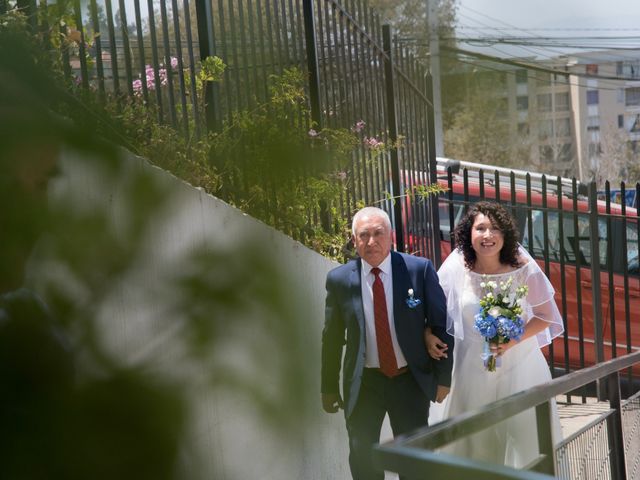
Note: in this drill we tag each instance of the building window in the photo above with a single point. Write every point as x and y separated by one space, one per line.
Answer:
620 121
545 129
563 127
523 128
619 69
620 95
592 69
592 97
594 150
632 96
546 153
635 128
544 102
593 123
564 155
562 102
522 76
522 102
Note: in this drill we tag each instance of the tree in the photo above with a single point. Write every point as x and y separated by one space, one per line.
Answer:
478 129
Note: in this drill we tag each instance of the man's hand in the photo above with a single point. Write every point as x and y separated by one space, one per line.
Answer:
442 393
436 348
332 402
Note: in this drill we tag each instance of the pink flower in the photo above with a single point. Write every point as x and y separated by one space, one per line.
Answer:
313 133
174 62
359 126
137 87
372 143
341 176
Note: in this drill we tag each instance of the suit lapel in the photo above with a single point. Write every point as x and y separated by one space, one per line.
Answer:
401 285
356 293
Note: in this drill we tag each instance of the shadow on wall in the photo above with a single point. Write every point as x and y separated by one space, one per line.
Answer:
100 357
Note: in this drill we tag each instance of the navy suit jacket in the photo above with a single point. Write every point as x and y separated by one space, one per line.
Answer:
344 315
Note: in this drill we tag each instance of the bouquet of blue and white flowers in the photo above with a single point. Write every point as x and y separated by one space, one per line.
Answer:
499 319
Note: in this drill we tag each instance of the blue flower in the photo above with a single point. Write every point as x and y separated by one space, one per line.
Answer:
412 302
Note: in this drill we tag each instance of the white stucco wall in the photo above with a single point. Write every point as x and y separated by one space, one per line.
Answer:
227 437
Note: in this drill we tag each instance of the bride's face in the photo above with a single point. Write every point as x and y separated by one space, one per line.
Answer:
486 239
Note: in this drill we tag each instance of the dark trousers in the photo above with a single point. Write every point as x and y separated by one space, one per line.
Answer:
405 402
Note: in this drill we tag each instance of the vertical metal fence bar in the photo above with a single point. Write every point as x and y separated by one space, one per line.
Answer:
614 426
65 46
563 275
610 268
164 18
578 258
141 52
545 251
393 134
625 281
113 49
233 40
183 88
82 47
253 56
126 47
529 213
192 68
432 164
451 210
285 33
225 57
93 6
545 439
153 34
274 38
263 56
244 64
595 278
312 62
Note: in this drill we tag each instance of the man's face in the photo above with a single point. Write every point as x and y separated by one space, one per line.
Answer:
372 239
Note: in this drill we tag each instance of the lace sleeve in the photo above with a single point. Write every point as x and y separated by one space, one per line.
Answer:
541 303
450 274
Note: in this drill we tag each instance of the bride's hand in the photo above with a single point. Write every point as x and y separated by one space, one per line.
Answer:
436 348
499 349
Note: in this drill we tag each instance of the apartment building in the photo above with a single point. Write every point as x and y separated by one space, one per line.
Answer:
583 121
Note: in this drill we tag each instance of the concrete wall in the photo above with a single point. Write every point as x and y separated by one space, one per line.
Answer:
228 435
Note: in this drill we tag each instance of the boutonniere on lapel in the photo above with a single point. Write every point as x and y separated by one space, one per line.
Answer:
412 302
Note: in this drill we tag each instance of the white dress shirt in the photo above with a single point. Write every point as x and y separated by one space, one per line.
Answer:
371 347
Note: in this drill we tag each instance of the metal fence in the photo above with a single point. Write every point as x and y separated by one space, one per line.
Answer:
587 454
602 449
356 70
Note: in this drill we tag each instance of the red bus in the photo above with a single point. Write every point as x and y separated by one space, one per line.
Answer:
555 227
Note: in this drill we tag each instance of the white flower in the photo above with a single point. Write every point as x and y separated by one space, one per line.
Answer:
492 284
411 292
494 312
482 284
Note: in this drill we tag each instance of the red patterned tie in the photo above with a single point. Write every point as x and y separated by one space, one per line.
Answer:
386 355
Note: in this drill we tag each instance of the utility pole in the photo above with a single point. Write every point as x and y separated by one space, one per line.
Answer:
434 67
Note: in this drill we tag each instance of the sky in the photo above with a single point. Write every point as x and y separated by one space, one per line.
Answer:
481 18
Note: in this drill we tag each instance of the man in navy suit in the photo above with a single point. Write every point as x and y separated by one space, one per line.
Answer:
416 317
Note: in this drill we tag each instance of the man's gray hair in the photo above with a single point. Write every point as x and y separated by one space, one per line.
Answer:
370 212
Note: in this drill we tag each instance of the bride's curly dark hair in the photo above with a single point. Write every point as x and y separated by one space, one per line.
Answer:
500 218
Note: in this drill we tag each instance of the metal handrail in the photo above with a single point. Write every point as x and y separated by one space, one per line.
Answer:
412 453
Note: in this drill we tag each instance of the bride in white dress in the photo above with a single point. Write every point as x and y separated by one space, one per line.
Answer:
487 249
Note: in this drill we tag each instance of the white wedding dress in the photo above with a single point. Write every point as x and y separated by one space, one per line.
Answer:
512 442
